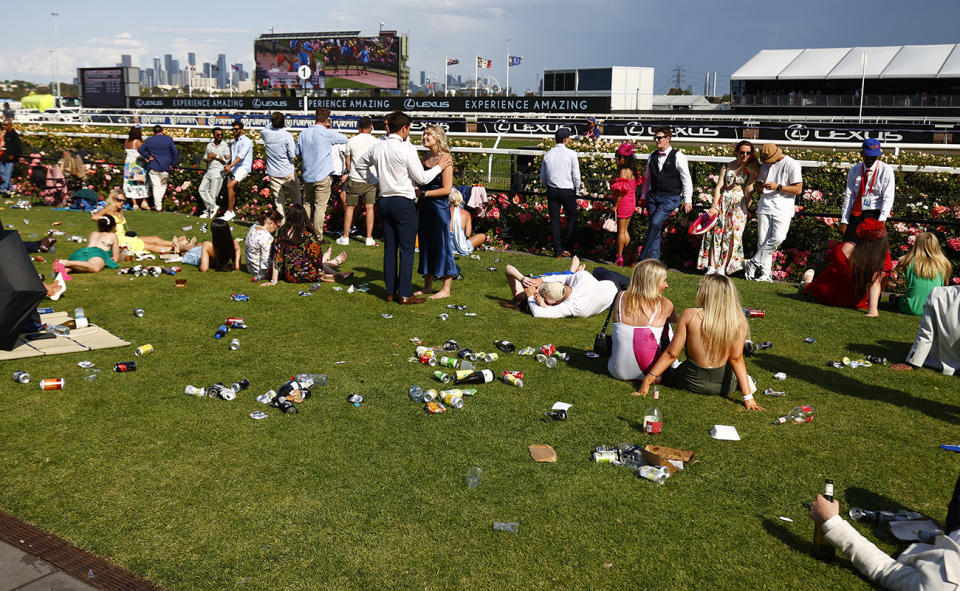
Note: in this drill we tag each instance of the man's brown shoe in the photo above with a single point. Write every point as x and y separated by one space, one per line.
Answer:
389 297
409 300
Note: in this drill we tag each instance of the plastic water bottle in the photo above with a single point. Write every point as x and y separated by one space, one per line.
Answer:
221 332
78 313
652 421
194 391
509 526
312 379
658 474
799 414
416 393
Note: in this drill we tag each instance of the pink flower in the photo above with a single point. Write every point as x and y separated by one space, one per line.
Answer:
830 221
955 281
265 192
954 244
107 177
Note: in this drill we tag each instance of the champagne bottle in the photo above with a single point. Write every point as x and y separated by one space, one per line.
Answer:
822 549
477 377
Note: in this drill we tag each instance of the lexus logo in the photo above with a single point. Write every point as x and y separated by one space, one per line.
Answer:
409 104
796 132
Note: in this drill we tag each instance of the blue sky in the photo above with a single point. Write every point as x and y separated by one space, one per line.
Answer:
702 35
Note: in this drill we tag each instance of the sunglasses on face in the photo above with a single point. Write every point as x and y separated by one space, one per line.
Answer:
745 152
659 137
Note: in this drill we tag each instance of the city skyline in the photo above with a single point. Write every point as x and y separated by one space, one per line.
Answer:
697 36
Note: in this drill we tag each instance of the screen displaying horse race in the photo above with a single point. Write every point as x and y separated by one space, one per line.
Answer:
334 62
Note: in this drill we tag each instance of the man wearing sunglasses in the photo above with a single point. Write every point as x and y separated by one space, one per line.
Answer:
779 184
666 183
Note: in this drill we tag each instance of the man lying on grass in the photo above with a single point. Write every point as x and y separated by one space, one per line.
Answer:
558 295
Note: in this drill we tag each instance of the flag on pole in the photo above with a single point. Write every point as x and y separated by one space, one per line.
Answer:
236 68
452 62
482 63
516 60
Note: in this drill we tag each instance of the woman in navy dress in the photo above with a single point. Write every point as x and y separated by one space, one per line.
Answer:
436 255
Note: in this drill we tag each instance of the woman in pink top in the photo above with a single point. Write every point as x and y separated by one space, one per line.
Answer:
624 189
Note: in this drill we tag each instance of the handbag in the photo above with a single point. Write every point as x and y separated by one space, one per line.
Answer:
134 172
610 224
603 342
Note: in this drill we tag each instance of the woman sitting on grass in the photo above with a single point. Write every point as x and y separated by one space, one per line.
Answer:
641 317
259 241
114 207
462 239
856 272
221 253
712 336
102 250
298 254
924 267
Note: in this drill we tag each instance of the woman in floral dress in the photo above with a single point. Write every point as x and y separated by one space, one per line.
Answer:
722 248
298 255
134 174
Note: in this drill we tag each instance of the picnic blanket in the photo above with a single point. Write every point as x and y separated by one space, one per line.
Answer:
82 339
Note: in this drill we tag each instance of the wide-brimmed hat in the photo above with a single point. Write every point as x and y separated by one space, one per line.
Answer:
552 291
702 224
871 229
770 153
625 150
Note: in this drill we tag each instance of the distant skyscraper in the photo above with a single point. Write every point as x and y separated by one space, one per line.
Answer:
223 74
174 67
423 78
459 79
126 60
156 72
168 63
206 69
192 58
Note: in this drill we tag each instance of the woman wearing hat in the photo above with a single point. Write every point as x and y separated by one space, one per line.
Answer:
624 189
854 277
721 250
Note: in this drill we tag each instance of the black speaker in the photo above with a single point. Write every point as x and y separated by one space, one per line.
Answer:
20 287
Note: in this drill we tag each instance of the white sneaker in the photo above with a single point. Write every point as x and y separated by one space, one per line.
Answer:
764 279
228 215
158 208
371 242
343 241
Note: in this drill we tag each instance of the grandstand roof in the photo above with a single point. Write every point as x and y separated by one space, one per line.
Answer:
897 61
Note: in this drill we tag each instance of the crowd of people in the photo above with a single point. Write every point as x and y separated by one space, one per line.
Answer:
420 209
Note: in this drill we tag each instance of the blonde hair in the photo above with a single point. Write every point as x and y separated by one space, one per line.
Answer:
644 289
723 320
456 198
115 193
439 134
73 165
927 258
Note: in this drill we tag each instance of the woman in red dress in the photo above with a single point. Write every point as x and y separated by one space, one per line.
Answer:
855 275
625 195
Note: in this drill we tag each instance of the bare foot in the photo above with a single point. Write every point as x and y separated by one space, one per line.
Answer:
440 295
419 292
574 263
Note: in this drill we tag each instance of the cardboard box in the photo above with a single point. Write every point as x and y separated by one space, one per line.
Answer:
657 455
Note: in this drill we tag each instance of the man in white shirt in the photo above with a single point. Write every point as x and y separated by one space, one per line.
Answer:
357 187
281 151
780 181
560 175
397 169
241 153
869 194
217 155
666 183
576 293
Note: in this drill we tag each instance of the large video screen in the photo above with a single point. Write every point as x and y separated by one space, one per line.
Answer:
335 62
102 87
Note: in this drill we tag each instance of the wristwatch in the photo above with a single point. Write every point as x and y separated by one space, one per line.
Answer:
779 188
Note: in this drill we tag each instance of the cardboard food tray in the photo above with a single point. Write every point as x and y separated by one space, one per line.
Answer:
657 455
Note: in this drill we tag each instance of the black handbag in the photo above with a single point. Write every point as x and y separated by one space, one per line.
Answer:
603 342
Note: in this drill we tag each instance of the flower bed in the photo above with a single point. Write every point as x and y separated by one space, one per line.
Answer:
520 222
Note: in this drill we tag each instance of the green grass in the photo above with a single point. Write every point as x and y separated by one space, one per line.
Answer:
192 494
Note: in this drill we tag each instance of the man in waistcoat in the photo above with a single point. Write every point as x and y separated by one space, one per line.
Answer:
666 183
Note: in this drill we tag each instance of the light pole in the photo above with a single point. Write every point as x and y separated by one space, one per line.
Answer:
863 82
507 92
56 59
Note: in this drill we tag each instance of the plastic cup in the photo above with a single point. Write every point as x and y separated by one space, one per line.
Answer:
473 476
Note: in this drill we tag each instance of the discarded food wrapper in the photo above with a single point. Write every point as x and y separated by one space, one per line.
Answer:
305 293
337 288
387 316
470 314
950 447
908 530
772 392
266 397
351 289
416 340
511 527
782 518
542 453
809 340
85 364
725 433
780 376
339 362
561 406
673 459
180 282
435 408
258 414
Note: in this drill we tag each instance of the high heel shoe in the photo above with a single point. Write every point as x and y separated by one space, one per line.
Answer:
619 261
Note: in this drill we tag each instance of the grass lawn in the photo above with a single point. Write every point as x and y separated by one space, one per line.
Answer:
192 494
